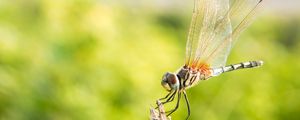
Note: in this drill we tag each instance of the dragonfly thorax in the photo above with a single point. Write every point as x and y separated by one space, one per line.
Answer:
183 78
189 77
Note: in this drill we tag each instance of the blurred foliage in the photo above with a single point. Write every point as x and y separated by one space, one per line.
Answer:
78 60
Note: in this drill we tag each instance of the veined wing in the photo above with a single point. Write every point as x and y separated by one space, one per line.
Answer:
214 28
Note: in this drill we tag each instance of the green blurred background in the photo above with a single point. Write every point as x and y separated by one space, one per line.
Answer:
103 60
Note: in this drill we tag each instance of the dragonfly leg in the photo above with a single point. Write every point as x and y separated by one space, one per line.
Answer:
165 96
170 98
177 104
188 104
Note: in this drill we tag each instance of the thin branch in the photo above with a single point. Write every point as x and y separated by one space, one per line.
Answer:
159 114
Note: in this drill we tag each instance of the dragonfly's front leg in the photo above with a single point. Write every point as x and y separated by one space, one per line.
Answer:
166 96
177 104
170 98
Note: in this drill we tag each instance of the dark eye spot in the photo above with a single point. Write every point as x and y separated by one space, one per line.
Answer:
172 79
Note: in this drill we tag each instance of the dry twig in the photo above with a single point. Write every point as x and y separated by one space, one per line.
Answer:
159 114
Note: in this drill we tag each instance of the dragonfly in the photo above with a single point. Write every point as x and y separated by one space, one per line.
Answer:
215 27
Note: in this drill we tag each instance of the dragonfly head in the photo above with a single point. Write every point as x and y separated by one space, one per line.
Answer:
170 81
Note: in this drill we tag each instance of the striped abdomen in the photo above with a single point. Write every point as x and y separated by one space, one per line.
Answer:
250 64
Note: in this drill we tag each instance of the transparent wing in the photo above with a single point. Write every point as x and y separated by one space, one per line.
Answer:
214 28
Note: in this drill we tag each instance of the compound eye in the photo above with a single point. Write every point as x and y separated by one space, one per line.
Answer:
170 81
164 82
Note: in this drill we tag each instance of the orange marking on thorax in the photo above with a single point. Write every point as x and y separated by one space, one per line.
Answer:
204 69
